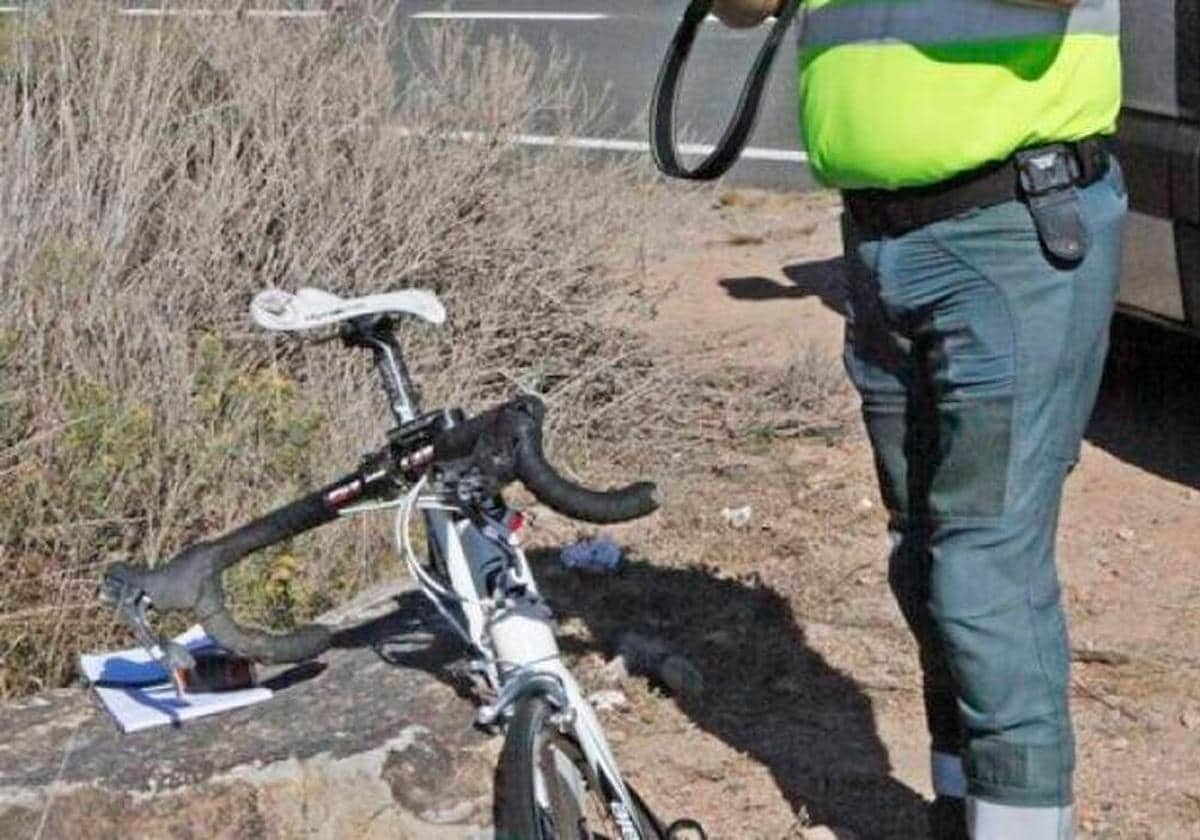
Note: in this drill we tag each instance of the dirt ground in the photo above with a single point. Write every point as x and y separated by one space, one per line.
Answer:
810 711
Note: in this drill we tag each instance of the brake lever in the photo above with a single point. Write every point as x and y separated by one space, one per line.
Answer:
131 605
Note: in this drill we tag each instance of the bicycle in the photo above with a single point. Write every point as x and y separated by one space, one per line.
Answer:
557 776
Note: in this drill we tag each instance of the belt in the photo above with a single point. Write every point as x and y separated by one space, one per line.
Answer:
896 212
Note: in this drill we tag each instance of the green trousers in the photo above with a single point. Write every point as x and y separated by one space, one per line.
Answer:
978 361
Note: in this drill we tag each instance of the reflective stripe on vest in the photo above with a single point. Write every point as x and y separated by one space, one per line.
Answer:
951 21
909 92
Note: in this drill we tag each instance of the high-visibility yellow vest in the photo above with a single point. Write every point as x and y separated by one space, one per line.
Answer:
898 93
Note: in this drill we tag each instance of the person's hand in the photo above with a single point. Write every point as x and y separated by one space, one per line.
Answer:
741 14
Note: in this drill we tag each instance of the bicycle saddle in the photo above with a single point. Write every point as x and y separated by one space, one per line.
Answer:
276 309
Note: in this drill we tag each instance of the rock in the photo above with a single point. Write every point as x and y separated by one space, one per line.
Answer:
653 658
368 737
682 677
1190 718
641 653
1126 534
615 670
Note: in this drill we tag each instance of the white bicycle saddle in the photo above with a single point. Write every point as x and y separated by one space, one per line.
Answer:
276 309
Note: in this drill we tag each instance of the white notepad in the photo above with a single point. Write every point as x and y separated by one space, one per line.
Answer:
138 692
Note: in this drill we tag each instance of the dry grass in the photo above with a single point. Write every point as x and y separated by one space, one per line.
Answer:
155 175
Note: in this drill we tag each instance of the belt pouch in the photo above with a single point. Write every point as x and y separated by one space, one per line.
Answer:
1048 176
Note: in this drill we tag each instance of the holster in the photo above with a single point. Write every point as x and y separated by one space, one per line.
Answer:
1048 176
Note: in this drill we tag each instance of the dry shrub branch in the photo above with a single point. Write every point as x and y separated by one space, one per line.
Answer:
155 174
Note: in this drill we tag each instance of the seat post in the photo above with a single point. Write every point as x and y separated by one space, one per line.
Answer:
375 332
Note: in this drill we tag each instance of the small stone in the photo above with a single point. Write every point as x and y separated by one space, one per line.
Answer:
609 700
1190 719
865 504
720 638
1126 534
788 684
738 517
1119 744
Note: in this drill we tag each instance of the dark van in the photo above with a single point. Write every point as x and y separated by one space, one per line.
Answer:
1160 148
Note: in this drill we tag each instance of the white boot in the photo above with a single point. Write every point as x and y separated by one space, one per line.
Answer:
992 821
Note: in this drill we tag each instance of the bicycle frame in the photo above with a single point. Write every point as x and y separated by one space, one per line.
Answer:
507 623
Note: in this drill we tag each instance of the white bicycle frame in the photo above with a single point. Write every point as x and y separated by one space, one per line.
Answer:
507 624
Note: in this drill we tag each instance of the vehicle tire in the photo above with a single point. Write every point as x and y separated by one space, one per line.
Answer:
543 787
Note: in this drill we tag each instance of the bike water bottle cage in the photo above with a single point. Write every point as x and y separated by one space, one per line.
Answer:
1048 177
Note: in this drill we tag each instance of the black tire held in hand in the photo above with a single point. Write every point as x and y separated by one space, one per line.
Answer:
741 124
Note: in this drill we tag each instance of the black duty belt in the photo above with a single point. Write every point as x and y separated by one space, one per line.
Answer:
1029 175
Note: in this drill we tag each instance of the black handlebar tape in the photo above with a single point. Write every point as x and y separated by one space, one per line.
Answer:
180 584
297 645
741 124
570 499
302 515
303 643
192 579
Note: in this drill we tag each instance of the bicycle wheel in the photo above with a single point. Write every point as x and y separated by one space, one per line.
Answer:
544 790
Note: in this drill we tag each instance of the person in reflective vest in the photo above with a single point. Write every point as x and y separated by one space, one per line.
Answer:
982 234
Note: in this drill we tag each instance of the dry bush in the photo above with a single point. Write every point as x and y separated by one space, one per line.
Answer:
155 174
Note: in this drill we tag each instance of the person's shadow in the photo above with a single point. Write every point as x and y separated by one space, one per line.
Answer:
823 279
766 692
1148 409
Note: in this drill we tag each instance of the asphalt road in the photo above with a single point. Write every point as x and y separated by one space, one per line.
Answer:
619 45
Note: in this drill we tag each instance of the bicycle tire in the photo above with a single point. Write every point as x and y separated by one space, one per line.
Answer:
525 810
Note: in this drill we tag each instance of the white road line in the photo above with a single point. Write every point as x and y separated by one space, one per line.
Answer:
254 13
606 144
509 16
195 13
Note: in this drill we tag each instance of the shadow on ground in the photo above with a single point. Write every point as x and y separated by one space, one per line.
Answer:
822 279
1149 408
767 694
1148 412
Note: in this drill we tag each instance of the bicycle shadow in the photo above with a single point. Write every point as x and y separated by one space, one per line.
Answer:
414 635
817 737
